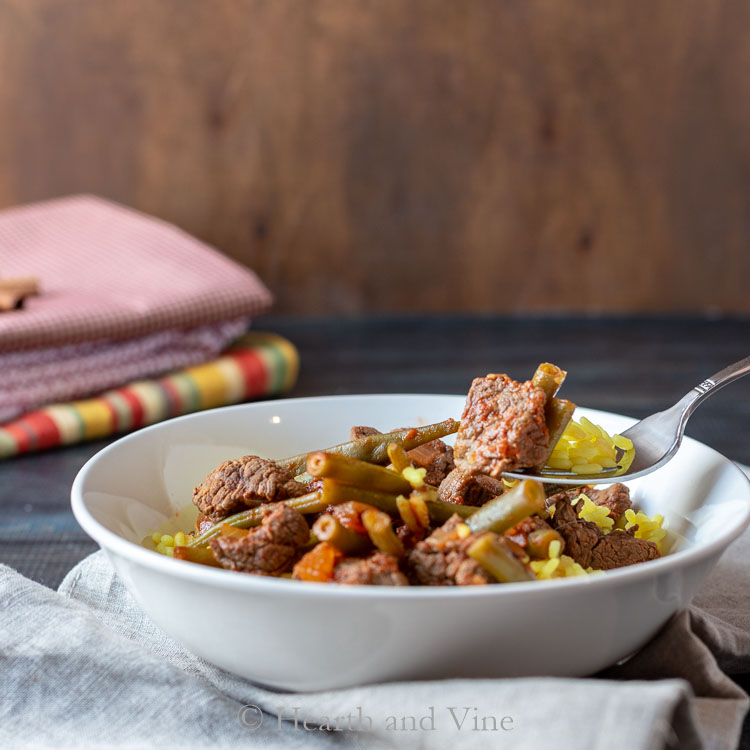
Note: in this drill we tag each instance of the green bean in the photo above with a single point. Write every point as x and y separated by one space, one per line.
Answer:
380 529
313 502
558 412
549 378
398 456
441 511
538 542
499 514
329 529
494 554
355 472
374 448
335 493
200 555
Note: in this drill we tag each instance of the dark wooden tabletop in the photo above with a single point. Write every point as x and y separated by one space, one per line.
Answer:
630 366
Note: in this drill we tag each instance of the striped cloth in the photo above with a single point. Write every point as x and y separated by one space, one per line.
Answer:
35 377
255 366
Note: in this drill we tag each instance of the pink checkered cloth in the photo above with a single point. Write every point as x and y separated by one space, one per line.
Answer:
123 296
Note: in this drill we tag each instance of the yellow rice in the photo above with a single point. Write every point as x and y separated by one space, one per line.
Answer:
586 448
558 567
165 543
647 528
590 511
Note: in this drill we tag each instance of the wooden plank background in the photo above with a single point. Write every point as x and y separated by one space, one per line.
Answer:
382 155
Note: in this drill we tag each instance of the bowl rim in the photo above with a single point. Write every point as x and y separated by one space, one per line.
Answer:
267 585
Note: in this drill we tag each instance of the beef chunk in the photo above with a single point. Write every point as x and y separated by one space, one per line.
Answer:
360 431
244 483
441 559
566 508
520 532
503 426
436 457
379 569
620 548
268 549
616 497
469 489
588 545
580 536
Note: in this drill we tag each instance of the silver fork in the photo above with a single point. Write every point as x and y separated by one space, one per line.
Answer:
655 438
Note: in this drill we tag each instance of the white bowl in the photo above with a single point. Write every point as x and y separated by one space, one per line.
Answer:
321 636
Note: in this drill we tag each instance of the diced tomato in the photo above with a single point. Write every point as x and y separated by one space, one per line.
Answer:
318 564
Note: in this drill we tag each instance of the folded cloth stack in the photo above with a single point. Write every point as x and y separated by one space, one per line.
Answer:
123 297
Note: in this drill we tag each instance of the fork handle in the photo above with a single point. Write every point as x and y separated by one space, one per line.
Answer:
718 380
